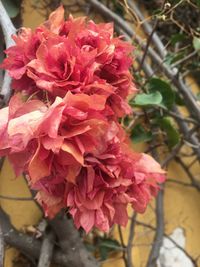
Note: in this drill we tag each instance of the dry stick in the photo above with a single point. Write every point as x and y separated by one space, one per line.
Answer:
71 243
155 251
17 198
130 240
179 182
186 58
123 246
148 29
172 240
148 45
181 122
30 246
186 132
46 253
158 238
172 155
194 182
1 248
8 29
1 232
177 81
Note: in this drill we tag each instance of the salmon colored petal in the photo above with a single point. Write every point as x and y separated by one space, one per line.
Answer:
55 20
72 150
37 168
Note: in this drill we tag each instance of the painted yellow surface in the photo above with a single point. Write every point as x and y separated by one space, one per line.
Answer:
181 204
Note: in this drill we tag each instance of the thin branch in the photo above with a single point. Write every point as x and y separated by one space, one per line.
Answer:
8 30
172 240
130 240
155 251
182 123
7 26
1 247
178 182
148 29
71 243
159 211
186 58
170 74
46 253
123 245
178 116
194 182
172 155
17 198
30 246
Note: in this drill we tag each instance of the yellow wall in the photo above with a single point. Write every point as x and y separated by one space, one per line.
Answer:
181 204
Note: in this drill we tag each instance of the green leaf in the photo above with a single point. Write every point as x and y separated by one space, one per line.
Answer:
173 137
177 38
11 7
119 9
139 134
168 95
196 44
151 99
198 96
179 100
198 3
106 246
171 58
90 247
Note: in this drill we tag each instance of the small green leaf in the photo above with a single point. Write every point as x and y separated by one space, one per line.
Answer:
171 58
196 44
90 247
139 134
161 86
177 38
106 246
173 137
151 99
119 9
179 100
198 3
11 7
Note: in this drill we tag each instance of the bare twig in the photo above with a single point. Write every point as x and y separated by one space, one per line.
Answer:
130 240
178 182
1 162
1 247
147 45
71 243
123 246
16 198
194 182
7 26
8 29
46 253
170 74
28 245
172 155
186 58
158 238
148 29
172 240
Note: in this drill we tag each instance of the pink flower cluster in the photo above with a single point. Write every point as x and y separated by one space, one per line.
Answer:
71 80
